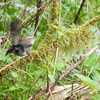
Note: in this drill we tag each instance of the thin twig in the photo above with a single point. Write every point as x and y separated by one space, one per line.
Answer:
87 13
23 12
32 97
47 82
41 9
76 18
37 16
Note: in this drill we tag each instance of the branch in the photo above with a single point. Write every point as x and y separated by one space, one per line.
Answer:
24 10
76 18
37 16
40 10
65 74
32 97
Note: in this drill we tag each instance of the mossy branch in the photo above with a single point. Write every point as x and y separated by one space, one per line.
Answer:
82 36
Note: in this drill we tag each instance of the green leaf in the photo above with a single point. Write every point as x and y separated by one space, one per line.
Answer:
14 74
61 43
41 83
66 42
38 73
46 66
59 59
52 64
51 77
17 1
70 33
4 91
95 75
2 54
2 4
60 65
93 97
60 33
92 84
54 26
48 58
12 88
53 35
63 28
1 12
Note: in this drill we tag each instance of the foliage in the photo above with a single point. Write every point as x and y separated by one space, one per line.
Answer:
22 82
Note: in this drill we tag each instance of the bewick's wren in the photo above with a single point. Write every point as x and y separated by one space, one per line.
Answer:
21 46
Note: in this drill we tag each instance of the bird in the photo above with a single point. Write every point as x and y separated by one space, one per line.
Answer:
20 46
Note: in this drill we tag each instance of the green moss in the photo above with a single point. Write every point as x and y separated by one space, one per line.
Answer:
77 38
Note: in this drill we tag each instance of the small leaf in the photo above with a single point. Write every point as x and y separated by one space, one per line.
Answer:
41 83
12 88
53 35
63 28
61 60
14 74
52 64
46 66
54 26
70 33
60 65
4 91
61 43
51 77
1 11
66 42
93 97
2 4
38 73
60 33
92 84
